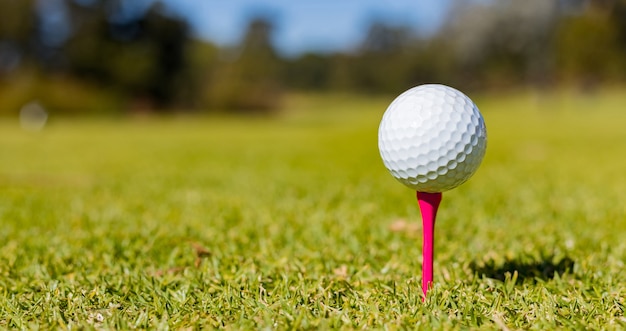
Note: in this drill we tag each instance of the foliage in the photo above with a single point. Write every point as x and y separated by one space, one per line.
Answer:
589 48
295 223
139 56
142 56
249 82
59 95
147 59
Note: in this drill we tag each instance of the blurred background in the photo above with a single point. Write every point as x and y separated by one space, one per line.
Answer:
117 57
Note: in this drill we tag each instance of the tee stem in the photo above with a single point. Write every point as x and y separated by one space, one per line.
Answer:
429 203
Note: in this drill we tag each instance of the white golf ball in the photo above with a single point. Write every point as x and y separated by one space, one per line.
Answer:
432 138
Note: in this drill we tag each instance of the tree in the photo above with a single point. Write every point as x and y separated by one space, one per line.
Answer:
17 28
503 43
385 58
251 81
588 47
142 55
309 71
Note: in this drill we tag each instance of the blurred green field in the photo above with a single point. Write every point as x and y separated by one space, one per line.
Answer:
294 223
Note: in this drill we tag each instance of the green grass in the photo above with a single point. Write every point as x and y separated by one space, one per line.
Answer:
293 223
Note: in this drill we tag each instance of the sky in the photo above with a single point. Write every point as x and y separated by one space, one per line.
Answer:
308 25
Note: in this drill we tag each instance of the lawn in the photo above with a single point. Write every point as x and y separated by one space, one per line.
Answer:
294 223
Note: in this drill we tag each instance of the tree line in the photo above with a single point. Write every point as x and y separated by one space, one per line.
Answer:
104 56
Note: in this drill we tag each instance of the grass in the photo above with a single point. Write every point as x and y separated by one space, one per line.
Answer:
293 223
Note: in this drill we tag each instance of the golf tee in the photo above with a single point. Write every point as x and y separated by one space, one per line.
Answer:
428 203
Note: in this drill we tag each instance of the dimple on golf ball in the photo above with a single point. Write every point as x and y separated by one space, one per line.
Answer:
432 138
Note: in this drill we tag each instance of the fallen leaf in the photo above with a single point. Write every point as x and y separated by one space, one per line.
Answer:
201 252
341 272
403 226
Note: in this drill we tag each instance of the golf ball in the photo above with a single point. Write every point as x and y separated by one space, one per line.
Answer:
432 138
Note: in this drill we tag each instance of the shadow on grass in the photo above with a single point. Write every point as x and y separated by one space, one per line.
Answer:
543 269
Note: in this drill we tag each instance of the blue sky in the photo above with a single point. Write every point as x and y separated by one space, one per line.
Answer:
301 25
